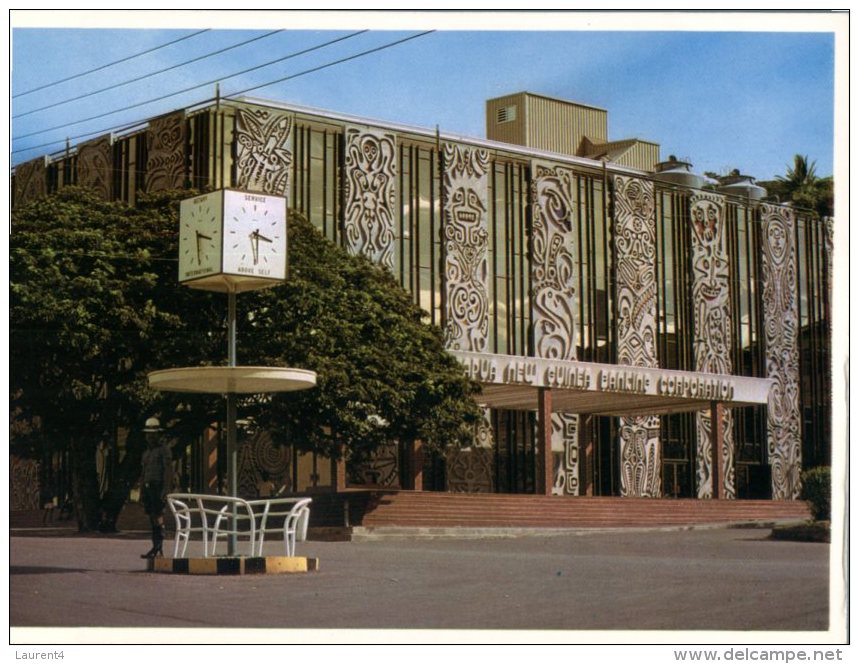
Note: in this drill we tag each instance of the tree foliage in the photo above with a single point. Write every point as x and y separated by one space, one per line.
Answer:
93 308
383 374
801 185
95 305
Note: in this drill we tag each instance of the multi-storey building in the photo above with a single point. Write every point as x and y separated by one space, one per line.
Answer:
611 304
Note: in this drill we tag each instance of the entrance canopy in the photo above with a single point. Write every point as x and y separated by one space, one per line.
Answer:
514 382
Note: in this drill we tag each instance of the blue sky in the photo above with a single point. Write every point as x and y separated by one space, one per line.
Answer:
744 96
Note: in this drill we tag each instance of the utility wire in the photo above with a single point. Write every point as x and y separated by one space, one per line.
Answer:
173 94
110 64
308 71
331 64
140 78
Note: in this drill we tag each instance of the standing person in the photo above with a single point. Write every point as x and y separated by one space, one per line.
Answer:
48 502
156 478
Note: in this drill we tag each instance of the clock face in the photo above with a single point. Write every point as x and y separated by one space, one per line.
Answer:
254 235
200 236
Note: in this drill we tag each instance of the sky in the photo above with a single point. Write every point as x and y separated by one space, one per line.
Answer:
721 91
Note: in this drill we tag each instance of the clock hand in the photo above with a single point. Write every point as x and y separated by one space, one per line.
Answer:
200 236
198 248
254 237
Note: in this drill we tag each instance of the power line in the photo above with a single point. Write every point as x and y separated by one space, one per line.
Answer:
110 64
331 64
173 94
307 71
140 78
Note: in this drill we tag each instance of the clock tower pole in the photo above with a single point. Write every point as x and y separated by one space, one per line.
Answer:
232 443
214 255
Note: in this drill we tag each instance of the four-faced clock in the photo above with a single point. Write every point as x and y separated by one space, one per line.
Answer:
200 240
254 235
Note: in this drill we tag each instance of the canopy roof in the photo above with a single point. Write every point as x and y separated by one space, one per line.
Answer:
514 382
235 380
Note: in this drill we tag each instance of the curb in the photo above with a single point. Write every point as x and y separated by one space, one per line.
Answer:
377 533
233 566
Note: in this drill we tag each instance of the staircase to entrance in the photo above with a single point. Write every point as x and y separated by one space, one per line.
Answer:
374 509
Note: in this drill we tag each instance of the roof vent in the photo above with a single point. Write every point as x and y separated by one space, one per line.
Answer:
744 186
678 172
505 114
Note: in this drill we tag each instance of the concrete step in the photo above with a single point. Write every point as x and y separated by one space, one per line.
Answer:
439 510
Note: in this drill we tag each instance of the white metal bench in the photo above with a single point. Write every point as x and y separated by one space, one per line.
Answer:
215 517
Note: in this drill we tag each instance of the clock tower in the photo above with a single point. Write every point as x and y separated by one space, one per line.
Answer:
232 241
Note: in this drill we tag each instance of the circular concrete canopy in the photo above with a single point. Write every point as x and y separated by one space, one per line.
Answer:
232 380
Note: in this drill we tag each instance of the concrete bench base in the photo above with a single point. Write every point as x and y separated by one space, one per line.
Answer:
234 566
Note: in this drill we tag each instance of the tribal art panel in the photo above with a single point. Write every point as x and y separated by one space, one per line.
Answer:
635 255
565 439
23 483
259 457
778 271
712 324
470 470
554 296
465 190
94 166
165 147
370 192
263 150
553 263
30 181
380 468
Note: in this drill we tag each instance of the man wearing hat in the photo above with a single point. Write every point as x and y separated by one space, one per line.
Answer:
156 479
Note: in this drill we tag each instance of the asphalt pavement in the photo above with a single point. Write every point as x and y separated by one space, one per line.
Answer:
710 579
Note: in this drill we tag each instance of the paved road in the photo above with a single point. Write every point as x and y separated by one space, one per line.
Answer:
717 579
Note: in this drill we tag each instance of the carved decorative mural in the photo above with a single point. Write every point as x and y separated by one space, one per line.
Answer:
552 262
30 181
263 150
470 470
380 469
635 256
258 457
712 324
23 483
94 166
565 440
483 436
466 268
165 149
370 192
553 274
778 275
640 462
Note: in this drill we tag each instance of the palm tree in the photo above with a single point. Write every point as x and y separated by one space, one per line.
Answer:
801 186
801 176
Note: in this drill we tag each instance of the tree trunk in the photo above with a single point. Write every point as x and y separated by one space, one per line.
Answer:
126 474
85 484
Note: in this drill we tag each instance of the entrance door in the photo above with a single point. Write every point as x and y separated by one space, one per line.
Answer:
515 450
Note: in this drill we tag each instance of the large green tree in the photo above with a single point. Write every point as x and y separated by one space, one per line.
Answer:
383 374
95 305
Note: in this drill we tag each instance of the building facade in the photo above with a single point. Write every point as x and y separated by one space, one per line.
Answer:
522 252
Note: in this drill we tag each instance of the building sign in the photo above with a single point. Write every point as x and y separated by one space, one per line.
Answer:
611 379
